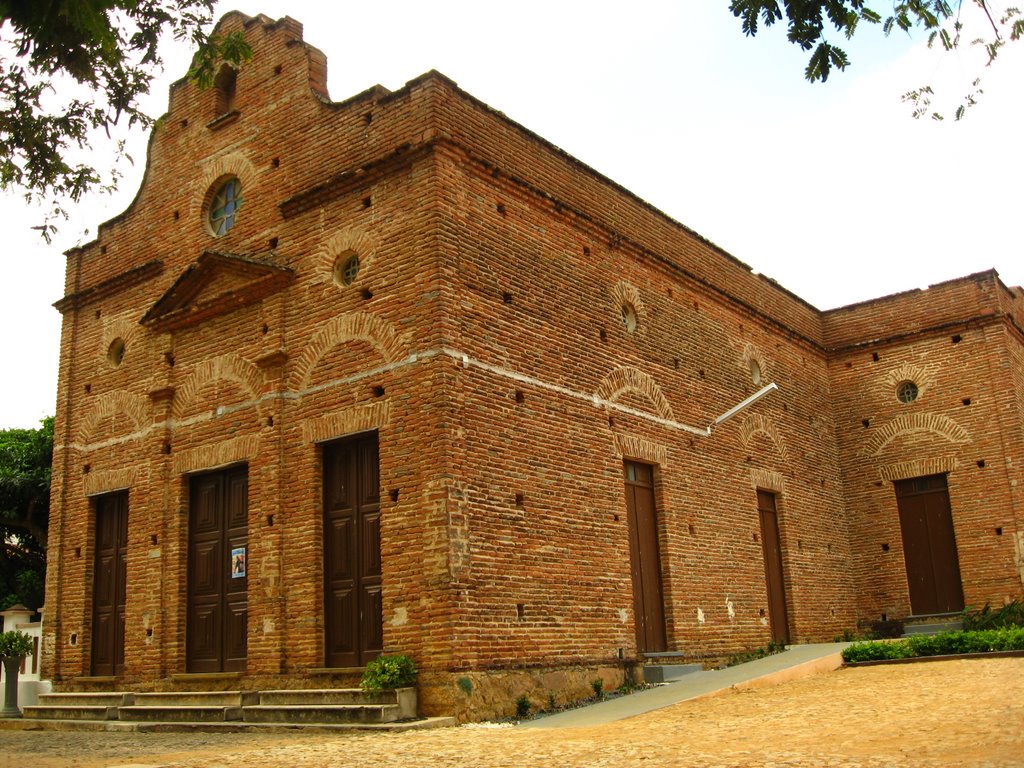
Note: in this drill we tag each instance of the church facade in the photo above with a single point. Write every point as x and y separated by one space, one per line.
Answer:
394 374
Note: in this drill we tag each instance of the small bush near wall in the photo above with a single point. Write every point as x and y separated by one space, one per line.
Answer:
385 673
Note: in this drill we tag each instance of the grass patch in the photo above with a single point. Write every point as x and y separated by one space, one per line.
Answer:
944 644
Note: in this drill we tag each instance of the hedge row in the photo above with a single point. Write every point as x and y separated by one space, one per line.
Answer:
945 644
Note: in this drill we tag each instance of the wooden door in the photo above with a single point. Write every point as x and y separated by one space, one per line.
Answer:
929 546
771 547
353 623
645 559
109 581
217 571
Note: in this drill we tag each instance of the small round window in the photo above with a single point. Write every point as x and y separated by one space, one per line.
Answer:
346 269
907 392
115 352
224 206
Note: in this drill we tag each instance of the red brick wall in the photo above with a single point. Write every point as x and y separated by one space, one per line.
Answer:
484 341
965 359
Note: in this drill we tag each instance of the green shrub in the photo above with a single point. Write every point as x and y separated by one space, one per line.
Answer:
598 685
523 706
385 673
1010 615
14 644
945 644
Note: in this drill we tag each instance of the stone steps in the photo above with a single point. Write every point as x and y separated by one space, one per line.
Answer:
336 706
78 706
932 625
323 714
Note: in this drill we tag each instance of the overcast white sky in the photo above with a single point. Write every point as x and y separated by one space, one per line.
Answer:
833 190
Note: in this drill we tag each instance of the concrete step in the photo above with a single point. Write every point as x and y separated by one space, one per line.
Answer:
932 628
333 705
78 706
667 673
180 714
84 699
322 696
197 699
188 706
332 714
69 712
932 624
329 706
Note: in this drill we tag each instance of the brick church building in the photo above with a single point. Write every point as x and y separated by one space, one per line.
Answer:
396 374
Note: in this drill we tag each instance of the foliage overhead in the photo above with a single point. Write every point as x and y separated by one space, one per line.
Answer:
72 68
808 23
25 458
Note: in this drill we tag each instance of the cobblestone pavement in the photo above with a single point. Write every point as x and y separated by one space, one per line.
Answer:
967 712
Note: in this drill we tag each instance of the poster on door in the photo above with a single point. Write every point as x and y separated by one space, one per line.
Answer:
238 563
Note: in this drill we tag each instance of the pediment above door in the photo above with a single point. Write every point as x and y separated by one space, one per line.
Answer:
215 284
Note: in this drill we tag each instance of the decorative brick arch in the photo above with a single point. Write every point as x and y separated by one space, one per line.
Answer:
629 379
933 423
937 465
117 403
232 164
231 367
624 293
751 355
357 241
759 424
344 329
920 375
124 327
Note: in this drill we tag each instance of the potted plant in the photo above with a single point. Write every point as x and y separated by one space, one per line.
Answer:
14 647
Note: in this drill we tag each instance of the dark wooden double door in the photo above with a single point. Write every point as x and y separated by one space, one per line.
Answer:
218 571
929 545
109 583
645 559
775 583
353 626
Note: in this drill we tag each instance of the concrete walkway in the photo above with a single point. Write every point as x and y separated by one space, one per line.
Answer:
795 662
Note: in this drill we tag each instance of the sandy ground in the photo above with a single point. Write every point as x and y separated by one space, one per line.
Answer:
968 712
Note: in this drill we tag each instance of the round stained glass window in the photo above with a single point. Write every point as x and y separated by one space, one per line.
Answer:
224 206
346 269
906 392
350 270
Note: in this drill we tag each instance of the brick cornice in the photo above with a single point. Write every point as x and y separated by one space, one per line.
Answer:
115 284
354 178
975 321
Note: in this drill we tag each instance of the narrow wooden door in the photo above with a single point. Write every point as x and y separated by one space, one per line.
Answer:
353 624
929 545
109 581
217 571
771 547
645 559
